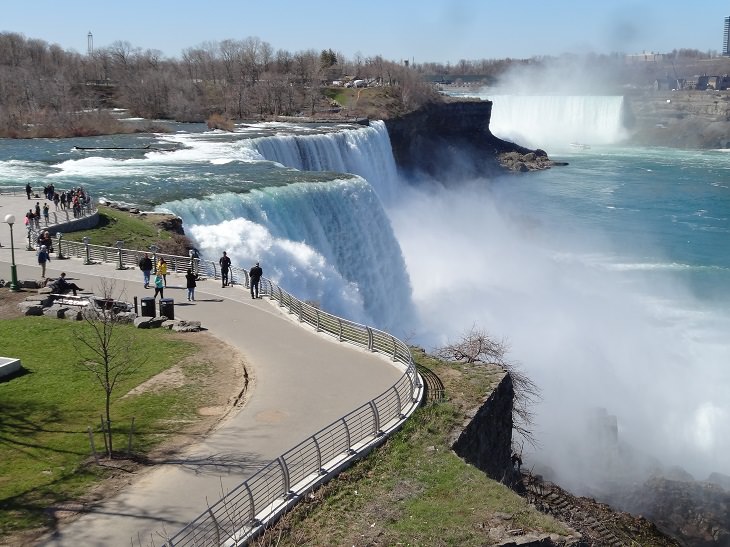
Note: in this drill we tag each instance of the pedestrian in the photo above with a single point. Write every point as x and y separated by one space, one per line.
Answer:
28 190
159 287
162 269
56 200
43 258
145 264
254 275
225 264
191 279
38 209
45 213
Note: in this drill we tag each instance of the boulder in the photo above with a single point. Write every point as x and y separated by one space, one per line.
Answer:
30 308
30 284
44 300
55 311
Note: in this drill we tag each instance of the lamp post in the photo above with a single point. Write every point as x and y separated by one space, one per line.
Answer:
10 220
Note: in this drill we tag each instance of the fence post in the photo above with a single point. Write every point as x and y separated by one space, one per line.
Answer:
284 475
376 419
370 338
93 448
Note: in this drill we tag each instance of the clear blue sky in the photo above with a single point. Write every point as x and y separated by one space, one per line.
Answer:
424 30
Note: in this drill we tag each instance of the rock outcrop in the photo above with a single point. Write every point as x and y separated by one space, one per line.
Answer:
452 139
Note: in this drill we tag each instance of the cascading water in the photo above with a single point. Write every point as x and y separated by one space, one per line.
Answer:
365 152
328 242
556 121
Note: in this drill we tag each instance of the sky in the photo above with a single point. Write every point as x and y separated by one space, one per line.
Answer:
421 31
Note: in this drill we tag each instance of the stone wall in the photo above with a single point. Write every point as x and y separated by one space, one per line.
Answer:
485 441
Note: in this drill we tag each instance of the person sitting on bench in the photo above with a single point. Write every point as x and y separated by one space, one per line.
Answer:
61 286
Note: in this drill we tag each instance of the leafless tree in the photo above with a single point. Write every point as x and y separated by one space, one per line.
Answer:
106 350
476 346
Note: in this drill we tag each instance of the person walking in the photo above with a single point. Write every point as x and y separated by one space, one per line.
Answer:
225 264
45 213
145 264
28 190
43 258
162 269
191 279
254 275
159 287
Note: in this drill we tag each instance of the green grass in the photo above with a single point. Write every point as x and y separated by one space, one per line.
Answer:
415 490
45 413
137 232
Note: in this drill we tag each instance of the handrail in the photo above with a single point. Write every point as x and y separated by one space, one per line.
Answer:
243 513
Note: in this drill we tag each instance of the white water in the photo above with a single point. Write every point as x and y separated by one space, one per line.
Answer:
556 121
328 242
365 152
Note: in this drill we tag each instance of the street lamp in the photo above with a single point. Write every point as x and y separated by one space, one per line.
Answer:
10 220
153 248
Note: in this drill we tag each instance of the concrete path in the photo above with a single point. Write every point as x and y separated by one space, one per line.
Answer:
303 382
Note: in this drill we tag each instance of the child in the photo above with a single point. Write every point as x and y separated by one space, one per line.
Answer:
159 286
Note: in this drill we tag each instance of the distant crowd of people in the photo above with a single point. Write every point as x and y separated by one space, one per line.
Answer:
74 199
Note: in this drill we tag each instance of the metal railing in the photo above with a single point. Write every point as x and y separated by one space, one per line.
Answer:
242 513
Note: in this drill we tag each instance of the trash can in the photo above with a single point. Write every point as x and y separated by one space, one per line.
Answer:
147 306
167 307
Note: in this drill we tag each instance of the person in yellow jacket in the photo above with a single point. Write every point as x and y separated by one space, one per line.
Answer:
162 270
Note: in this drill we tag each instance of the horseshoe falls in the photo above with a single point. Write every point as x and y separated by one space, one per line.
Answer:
554 122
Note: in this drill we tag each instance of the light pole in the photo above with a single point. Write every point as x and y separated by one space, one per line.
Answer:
153 248
59 235
87 261
10 220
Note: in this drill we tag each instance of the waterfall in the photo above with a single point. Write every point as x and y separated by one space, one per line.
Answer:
542 121
364 151
329 242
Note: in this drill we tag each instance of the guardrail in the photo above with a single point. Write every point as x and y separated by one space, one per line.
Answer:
242 513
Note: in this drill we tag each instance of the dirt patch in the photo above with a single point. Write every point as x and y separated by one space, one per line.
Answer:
9 301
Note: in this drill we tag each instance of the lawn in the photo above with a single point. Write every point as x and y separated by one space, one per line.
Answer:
137 232
45 413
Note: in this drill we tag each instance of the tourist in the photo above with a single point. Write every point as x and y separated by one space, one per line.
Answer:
28 190
159 287
43 258
191 279
162 269
61 286
255 275
45 213
145 264
225 264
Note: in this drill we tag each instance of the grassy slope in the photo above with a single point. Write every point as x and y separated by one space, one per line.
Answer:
137 231
45 413
415 490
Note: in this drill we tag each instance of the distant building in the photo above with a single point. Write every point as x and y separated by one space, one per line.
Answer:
644 57
726 38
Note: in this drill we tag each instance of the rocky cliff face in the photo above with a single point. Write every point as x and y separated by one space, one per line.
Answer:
485 441
680 119
452 140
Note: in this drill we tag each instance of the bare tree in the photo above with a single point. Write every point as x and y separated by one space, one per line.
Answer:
106 350
476 346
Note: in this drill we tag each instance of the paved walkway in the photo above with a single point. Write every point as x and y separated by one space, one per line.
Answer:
303 382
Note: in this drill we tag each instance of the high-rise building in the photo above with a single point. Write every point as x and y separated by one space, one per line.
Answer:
726 38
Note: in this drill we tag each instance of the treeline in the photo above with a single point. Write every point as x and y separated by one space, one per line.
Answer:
48 91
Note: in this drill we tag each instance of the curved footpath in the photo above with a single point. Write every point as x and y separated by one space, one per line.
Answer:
303 382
